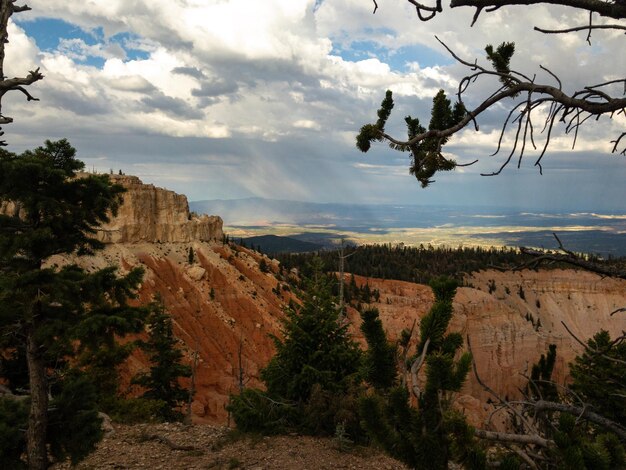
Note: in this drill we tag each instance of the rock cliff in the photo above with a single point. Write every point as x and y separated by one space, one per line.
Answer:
225 308
510 319
151 214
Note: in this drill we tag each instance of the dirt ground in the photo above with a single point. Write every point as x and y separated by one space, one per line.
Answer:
175 446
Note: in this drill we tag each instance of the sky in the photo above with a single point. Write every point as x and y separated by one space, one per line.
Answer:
226 99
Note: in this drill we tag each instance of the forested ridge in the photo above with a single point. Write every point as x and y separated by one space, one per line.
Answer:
422 263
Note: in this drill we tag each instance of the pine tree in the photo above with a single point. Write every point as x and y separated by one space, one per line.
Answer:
379 360
541 385
315 366
47 211
162 382
429 435
599 376
314 349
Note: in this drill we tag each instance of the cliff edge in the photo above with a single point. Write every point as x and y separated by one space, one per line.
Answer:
155 215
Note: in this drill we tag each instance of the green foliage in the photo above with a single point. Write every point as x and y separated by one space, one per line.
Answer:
579 445
577 449
162 382
429 435
92 339
263 266
541 385
413 264
500 59
254 411
326 410
599 380
190 255
71 315
74 427
372 132
13 417
312 375
426 155
59 213
135 410
379 361
314 349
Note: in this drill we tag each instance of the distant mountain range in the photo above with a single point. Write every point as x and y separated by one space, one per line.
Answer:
326 224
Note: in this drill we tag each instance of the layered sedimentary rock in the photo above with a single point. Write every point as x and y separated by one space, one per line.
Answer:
225 308
151 214
148 214
510 318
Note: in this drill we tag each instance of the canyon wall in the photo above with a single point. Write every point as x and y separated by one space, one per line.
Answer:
510 318
151 214
225 307
148 214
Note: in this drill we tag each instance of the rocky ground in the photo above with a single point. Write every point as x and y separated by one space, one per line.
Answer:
175 446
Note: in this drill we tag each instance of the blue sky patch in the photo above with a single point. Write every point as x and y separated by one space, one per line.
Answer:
397 59
49 32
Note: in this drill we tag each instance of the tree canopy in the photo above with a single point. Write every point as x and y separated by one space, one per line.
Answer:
536 102
48 313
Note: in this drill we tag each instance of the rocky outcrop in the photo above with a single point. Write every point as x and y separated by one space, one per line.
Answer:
510 319
151 214
221 304
225 309
148 215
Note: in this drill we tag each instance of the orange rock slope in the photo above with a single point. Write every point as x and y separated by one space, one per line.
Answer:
509 333
224 307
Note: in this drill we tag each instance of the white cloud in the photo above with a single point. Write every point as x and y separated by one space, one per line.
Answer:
233 76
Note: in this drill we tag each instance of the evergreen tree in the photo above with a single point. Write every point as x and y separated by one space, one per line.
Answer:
97 350
313 371
314 349
379 360
162 382
541 385
429 435
599 376
47 211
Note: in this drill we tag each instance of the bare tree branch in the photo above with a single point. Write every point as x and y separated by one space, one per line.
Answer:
415 368
584 413
525 439
573 109
609 9
592 350
7 8
595 103
579 28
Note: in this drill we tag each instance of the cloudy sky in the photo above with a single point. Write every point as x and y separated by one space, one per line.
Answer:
222 99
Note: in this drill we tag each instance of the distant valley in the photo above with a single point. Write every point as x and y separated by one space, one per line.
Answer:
327 224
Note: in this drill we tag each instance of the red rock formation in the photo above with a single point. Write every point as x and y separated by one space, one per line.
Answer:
504 329
223 302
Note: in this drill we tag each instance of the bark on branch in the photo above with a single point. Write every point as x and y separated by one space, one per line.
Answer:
615 10
582 413
608 9
7 8
524 439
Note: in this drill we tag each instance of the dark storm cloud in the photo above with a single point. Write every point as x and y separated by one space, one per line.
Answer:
170 106
77 102
215 88
189 71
